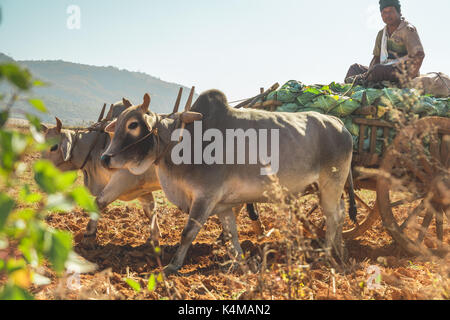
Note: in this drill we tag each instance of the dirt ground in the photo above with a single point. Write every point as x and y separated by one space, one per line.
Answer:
122 251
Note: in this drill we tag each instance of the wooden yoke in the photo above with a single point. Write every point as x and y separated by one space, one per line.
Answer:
177 103
252 101
102 113
187 108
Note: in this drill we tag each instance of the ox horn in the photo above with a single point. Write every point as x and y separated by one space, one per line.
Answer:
102 113
177 103
58 124
126 103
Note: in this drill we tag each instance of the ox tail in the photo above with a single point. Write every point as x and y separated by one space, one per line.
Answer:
352 212
252 213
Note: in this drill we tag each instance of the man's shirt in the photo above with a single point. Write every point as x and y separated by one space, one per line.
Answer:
403 41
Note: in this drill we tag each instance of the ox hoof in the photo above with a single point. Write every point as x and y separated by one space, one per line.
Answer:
89 241
170 270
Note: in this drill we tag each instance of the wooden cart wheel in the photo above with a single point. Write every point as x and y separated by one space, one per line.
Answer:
413 189
368 214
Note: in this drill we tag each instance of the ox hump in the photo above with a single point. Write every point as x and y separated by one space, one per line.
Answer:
210 102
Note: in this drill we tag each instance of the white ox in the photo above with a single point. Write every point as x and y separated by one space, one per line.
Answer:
313 148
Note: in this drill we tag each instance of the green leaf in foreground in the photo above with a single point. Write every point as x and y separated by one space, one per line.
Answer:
50 179
17 76
83 198
13 292
38 105
133 284
3 117
13 265
59 202
60 248
35 129
6 206
39 83
151 283
25 195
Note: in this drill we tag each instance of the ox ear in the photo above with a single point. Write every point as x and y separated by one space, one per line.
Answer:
44 128
66 146
161 126
111 127
58 125
146 104
126 103
190 116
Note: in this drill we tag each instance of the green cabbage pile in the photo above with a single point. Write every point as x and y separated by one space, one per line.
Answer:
343 100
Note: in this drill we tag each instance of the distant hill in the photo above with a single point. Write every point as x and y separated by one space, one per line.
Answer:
5 58
76 92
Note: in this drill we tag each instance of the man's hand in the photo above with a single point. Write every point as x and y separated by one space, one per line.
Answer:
414 64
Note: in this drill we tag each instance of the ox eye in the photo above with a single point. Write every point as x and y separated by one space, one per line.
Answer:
133 125
54 148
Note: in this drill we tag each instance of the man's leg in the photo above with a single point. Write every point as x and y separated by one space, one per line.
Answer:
355 70
383 73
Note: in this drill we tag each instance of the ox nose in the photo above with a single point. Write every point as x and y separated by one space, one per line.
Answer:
105 160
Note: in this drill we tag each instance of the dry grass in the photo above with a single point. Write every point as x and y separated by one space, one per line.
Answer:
286 265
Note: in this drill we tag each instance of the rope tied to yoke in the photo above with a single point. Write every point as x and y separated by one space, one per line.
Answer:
153 131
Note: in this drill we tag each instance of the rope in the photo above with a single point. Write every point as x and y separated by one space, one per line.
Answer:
97 137
440 77
238 101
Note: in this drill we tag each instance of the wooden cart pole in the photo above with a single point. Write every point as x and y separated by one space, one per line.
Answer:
187 108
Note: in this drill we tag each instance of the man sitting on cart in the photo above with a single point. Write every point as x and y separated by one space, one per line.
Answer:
398 53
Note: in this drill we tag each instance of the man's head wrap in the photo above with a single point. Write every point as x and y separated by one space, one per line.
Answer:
390 3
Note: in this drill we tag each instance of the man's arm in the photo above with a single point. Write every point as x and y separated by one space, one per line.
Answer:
375 61
415 63
416 53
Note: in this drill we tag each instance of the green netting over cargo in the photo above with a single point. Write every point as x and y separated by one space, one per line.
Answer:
346 102
342 100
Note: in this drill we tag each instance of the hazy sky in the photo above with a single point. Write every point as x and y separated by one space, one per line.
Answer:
236 46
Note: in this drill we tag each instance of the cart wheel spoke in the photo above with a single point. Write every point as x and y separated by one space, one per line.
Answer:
315 222
440 227
362 202
415 170
445 151
417 210
425 224
416 167
434 147
398 203
427 166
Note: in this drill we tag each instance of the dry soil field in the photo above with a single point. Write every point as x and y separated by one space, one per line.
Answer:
122 251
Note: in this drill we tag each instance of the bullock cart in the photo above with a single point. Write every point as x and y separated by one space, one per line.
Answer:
408 172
